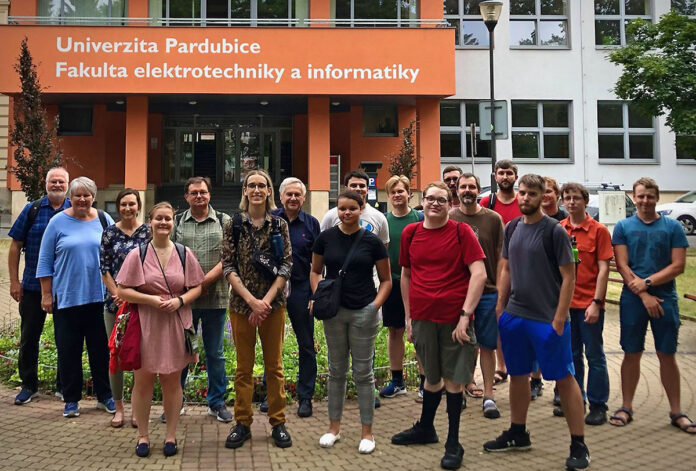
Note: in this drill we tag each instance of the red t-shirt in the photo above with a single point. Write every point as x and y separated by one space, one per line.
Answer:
439 279
507 211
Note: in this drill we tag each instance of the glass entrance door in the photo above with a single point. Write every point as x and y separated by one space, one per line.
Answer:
250 149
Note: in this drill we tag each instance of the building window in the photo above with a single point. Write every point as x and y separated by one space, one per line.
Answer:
624 132
465 17
380 121
84 12
612 16
371 13
229 12
685 7
686 147
456 118
539 23
74 120
541 130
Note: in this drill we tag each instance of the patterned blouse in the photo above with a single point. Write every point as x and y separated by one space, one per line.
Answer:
115 245
239 260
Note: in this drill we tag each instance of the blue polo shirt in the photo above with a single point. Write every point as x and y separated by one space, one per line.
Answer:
304 230
31 237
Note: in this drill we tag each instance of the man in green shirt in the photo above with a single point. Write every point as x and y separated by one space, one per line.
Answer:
393 316
200 228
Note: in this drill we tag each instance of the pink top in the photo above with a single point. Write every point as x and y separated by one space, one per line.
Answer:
162 346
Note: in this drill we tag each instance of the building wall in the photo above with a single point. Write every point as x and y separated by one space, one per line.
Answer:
582 75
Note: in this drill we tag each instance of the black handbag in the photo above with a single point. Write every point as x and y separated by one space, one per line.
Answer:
327 297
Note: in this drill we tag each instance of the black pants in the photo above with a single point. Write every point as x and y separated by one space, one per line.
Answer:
74 326
33 318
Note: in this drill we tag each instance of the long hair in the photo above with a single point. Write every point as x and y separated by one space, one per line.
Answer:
270 203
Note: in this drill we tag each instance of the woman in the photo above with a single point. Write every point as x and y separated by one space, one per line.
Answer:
117 240
353 330
71 288
252 237
163 286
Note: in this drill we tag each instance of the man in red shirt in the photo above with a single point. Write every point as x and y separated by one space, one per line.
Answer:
587 307
439 297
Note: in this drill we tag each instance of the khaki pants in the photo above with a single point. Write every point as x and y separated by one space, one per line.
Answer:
271 332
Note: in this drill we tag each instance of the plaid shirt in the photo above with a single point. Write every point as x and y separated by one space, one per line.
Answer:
204 238
31 237
239 260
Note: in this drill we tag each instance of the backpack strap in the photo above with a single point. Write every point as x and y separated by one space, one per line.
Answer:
31 217
491 201
236 228
143 252
547 240
510 228
218 215
102 218
180 250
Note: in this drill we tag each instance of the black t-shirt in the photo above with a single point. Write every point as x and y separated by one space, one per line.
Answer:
560 215
358 285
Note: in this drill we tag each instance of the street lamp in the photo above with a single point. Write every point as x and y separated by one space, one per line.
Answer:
490 12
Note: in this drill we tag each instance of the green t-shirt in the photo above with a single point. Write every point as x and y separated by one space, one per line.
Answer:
396 227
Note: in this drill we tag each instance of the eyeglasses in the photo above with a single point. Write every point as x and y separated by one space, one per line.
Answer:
196 193
451 179
432 200
254 186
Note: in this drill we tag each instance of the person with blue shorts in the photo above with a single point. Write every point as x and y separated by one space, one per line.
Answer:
650 252
535 287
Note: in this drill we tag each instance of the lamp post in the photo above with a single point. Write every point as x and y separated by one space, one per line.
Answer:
490 11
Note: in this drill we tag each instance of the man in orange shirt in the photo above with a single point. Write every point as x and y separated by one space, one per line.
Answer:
587 307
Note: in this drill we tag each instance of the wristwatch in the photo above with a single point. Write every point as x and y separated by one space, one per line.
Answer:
597 301
464 313
648 282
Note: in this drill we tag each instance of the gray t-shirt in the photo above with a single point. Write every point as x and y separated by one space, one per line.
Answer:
534 286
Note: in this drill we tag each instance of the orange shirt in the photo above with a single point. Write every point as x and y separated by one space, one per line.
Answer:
594 244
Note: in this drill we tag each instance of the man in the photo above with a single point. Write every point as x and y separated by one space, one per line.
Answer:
587 307
549 203
650 252
393 316
26 233
440 294
450 175
200 228
304 229
535 287
488 227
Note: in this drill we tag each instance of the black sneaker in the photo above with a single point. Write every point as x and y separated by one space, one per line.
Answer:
263 407
536 387
416 435
238 435
305 408
508 441
281 437
597 415
453 457
579 456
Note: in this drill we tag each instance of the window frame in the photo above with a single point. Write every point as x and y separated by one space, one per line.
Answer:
398 22
62 19
672 8
460 17
542 130
538 18
684 160
464 132
622 18
70 106
253 20
385 106
626 132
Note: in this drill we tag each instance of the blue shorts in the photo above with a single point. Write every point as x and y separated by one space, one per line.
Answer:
530 344
634 324
485 323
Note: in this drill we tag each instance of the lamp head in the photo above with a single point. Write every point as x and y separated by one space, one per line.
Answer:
490 12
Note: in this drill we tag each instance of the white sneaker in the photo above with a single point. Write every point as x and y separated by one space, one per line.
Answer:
366 446
328 439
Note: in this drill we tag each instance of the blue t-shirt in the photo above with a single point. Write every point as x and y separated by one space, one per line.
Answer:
650 247
70 254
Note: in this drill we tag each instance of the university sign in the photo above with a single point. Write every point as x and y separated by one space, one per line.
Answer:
316 61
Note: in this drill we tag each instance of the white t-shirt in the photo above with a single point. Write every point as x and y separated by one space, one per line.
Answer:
370 218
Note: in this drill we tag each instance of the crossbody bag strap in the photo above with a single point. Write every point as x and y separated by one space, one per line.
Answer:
351 251
167 283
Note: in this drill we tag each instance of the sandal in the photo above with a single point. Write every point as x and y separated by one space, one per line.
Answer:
621 420
134 423
684 427
473 391
500 377
490 410
117 423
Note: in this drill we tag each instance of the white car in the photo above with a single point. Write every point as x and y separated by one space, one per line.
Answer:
683 209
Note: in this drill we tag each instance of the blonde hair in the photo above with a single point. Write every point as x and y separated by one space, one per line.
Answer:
160 205
647 183
395 180
554 185
270 203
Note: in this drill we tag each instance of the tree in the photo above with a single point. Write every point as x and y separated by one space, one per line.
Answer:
34 138
659 70
404 162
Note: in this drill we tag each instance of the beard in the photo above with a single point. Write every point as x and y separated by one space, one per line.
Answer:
529 209
57 194
467 198
506 185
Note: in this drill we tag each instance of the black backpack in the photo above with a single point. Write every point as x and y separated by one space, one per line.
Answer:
547 238
180 250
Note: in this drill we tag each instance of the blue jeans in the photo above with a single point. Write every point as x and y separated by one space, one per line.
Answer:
213 322
590 336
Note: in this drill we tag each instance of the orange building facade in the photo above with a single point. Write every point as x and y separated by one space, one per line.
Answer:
147 100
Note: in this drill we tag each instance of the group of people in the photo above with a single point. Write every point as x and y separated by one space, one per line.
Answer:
513 279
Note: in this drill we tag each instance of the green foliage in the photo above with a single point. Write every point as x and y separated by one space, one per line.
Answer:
33 137
659 70
405 161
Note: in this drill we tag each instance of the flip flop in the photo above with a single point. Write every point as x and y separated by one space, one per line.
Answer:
623 421
685 427
473 391
117 423
500 377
